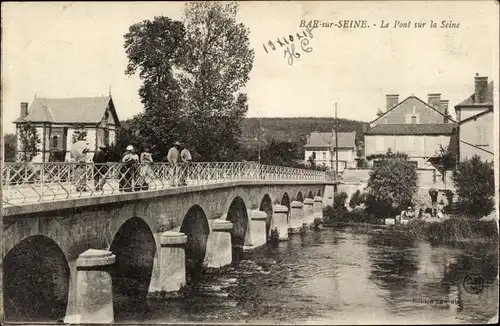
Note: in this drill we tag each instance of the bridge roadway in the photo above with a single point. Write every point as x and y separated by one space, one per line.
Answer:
78 256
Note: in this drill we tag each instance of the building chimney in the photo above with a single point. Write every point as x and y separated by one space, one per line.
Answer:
481 89
434 100
24 110
392 100
444 110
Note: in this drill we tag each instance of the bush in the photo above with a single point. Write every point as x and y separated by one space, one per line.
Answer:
392 184
355 199
339 200
328 211
453 230
475 184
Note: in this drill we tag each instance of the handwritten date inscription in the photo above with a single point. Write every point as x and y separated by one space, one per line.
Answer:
291 51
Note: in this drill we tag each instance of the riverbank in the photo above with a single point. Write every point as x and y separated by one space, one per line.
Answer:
452 231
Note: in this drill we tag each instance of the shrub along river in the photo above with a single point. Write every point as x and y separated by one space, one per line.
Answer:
345 274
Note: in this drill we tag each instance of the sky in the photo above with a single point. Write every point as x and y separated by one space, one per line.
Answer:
59 50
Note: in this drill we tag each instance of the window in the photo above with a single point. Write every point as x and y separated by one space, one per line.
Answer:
324 155
413 119
55 141
106 137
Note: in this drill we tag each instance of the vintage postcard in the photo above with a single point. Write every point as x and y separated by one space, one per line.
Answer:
250 162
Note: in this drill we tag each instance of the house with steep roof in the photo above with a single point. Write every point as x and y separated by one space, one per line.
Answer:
412 126
475 122
57 119
323 146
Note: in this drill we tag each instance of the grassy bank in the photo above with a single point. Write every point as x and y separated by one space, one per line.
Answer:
452 231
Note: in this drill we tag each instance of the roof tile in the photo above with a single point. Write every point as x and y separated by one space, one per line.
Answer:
412 129
67 110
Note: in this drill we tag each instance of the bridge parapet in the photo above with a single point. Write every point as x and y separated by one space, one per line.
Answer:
25 183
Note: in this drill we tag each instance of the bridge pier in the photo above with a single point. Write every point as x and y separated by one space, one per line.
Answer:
219 247
318 207
172 261
280 218
257 232
94 292
308 211
318 211
295 217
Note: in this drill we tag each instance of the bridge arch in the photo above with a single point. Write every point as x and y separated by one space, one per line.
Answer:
266 205
36 278
238 215
310 194
195 227
300 197
135 248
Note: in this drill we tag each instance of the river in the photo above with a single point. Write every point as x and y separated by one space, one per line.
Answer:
344 275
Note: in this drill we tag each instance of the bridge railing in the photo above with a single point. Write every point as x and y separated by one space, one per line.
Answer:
40 182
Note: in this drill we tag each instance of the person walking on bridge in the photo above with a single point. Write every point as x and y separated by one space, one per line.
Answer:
145 171
100 167
186 160
173 158
130 158
79 152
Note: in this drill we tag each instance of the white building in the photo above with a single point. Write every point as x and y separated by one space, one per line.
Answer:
322 144
57 119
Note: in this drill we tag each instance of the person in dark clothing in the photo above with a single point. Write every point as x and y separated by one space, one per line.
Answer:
100 169
434 195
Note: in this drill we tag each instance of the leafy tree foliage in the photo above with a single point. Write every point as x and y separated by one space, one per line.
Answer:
9 150
357 199
475 184
154 48
29 141
339 200
215 68
392 184
444 160
192 74
79 134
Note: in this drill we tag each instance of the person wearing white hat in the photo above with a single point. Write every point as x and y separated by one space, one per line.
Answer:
130 160
79 152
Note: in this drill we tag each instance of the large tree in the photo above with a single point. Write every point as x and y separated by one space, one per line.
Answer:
154 48
9 147
392 184
216 66
29 141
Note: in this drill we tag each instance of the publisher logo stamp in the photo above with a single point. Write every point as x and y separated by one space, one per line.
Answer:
473 283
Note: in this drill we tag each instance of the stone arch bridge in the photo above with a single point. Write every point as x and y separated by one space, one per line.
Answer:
83 259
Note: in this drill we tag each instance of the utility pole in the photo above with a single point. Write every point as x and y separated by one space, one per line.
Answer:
259 135
336 144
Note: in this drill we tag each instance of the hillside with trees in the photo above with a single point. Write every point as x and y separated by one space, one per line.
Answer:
295 130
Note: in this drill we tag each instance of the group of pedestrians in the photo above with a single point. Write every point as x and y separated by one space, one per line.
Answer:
179 154
135 173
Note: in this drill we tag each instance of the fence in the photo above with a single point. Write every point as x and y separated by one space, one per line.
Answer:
36 182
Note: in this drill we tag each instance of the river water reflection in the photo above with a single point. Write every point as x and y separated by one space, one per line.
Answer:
340 275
